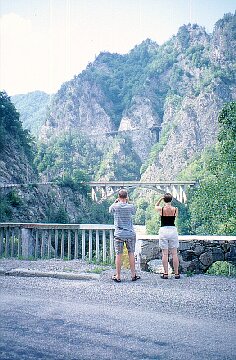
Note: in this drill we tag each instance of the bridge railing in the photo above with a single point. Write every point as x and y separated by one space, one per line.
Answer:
65 241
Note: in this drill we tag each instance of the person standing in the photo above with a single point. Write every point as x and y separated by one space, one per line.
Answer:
168 235
124 233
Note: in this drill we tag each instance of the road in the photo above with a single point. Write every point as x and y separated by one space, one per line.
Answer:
189 319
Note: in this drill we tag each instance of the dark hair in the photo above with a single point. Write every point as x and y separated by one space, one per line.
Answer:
123 194
167 198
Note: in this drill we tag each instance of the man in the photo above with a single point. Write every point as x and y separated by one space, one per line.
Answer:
124 233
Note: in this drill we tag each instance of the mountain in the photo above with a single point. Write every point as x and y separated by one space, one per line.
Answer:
161 100
146 114
33 109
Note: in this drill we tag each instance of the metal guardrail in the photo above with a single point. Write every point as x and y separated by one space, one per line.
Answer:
65 241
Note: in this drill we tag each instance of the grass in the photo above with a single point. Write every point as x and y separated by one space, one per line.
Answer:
96 270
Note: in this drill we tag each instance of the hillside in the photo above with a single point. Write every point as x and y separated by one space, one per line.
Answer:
61 202
32 108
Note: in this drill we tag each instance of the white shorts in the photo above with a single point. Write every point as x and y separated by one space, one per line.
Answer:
168 237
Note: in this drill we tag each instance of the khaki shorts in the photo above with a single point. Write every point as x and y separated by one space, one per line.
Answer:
168 237
119 245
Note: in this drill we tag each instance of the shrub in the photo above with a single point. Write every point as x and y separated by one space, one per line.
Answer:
222 268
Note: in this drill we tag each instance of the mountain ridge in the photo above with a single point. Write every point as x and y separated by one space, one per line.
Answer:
163 99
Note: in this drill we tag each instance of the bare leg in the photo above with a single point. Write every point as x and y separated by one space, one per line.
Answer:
175 261
165 260
132 264
118 265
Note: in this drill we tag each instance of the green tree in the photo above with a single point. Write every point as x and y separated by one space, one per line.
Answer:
211 205
11 125
227 135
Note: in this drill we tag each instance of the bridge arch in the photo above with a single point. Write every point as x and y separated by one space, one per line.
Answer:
102 190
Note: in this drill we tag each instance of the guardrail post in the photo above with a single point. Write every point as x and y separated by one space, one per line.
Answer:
83 244
90 245
76 245
1 241
27 243
56 243
69 245
104 247
97 246
111 246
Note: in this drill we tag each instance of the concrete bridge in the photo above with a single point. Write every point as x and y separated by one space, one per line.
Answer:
103 189
95 242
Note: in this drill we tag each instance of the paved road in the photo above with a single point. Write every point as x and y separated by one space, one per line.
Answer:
187 319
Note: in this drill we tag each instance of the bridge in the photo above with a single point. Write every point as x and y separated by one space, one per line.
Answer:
94 242
102 190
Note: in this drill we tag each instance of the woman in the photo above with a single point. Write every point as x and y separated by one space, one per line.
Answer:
168 235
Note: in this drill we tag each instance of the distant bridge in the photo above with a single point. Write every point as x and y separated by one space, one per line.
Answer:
6 186
102 190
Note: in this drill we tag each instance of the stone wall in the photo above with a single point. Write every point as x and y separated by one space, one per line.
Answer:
196 253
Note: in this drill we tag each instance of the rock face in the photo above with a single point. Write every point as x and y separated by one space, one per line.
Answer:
14 164
141 123
190 129
42 203
78 105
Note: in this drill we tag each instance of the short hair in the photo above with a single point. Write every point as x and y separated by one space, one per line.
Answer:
123 194
167 197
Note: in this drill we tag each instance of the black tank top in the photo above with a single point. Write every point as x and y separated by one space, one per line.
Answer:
167 220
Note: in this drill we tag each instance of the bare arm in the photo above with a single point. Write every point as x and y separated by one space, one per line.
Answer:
111 208
157 206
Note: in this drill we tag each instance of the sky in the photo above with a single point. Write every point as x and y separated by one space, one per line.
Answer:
44 43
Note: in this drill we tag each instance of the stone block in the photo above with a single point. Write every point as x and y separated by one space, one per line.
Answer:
217 254
193 266
150 249
185 245
183 265
225 246
206 259
198 249
27 243
188 255
156 266
231 255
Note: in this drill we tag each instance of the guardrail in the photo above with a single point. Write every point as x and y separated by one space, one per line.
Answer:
65 241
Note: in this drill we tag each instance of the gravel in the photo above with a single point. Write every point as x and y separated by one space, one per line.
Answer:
201 295
190 318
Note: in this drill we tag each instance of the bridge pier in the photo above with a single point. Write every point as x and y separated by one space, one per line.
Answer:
94 194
